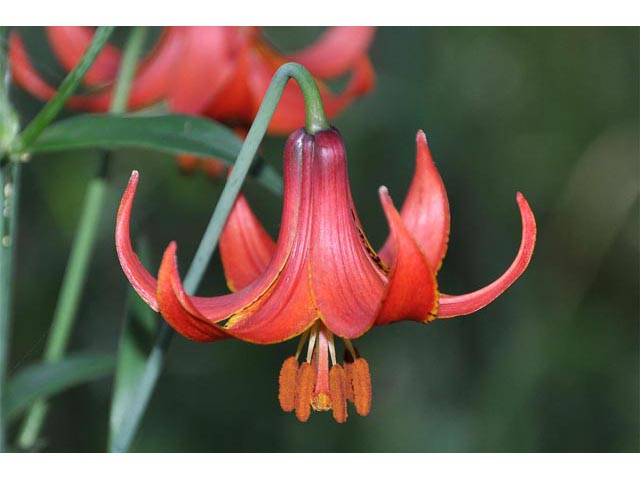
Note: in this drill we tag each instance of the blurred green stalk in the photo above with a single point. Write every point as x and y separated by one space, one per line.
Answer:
9 183
315 121
83 245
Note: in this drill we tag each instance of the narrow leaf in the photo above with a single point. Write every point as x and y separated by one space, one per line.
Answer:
165 133
48 379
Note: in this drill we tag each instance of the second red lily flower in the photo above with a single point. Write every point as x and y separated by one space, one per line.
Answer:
218 72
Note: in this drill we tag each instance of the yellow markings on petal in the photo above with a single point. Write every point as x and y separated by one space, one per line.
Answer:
287 384
370 250
305 383
338 389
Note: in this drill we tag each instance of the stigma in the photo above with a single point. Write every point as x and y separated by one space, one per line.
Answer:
320 383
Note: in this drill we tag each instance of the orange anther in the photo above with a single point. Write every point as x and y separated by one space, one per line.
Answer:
305 383
348 374
287 382
361 385
338 388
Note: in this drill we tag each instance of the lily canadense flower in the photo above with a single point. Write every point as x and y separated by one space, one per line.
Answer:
321 280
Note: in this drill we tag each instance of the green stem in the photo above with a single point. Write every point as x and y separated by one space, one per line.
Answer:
66 89
75 276
9 182
9 123
127 70
316 121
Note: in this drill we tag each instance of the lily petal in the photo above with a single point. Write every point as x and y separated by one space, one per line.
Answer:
233 103
150 83
335 52
346 281
172 310
142 281
454 305
297 197
70 43
203 68
425 211
23 72
281 312
245 246
412 291
154 77
152 80
28 78
277 305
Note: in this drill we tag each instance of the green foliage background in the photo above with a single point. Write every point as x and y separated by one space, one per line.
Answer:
552 365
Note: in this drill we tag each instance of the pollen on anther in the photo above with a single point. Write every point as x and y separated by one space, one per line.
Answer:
305 383
287 383
361 385
338 388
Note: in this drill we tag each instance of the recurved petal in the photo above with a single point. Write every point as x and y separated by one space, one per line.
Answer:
297 198
455 305
203 68
70 43
172 310
284 312
412 291
23 72
280 312
28 78
245 246
277 305
346 282
335 52
150 84
156 72
234 101
142 281
425 211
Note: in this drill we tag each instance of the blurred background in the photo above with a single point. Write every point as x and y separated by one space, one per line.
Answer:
552 365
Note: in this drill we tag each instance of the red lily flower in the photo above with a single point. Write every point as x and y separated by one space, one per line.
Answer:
322 278
218 72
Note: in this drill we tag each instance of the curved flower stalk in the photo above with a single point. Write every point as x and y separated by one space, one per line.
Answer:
218 72
321 279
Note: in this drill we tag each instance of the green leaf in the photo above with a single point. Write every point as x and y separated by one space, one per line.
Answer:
48 379
170 133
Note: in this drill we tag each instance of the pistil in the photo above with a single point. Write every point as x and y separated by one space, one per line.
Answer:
321 400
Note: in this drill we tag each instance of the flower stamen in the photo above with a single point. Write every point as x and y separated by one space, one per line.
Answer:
305 381
359 379
287 384
318 385
338 389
